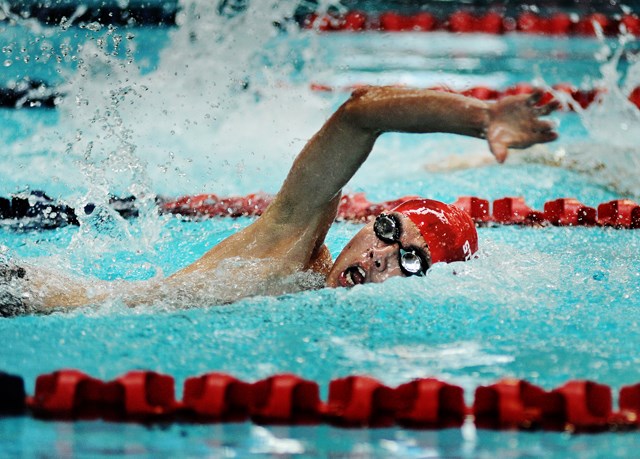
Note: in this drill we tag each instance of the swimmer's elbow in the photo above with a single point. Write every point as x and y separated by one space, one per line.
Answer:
357 110
358 100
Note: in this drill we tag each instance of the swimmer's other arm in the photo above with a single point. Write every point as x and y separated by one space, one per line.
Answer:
337 151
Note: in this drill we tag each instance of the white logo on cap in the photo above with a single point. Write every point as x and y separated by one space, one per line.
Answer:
466 248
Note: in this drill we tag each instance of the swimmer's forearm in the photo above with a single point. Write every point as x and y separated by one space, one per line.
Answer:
46 290
337 151
388 109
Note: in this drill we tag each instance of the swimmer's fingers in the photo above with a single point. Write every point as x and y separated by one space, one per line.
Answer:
545 132
514 123
541 137
500 151
546 109
502 136
539 132
534 98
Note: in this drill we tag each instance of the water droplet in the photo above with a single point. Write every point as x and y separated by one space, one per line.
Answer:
7 63
94 26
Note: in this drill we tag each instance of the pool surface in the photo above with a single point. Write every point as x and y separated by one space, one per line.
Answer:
223 105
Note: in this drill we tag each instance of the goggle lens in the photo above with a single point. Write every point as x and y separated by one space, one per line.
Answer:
411 263
386 228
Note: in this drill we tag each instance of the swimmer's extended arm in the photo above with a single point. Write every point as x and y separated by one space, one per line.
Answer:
293 228
335 153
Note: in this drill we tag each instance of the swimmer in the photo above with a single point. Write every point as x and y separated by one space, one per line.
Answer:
288 239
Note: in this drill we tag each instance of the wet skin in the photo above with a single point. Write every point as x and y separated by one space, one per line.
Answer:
366 258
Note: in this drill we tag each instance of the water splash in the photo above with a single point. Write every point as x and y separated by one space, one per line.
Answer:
610 155
196 120
209 103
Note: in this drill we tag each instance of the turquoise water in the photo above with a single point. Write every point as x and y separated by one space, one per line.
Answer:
98 439
544 304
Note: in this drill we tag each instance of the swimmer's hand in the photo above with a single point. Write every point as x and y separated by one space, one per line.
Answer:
514 123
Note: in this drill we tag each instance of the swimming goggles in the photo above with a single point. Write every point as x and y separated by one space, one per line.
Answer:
412 262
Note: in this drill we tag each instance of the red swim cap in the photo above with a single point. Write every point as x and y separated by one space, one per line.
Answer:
448 231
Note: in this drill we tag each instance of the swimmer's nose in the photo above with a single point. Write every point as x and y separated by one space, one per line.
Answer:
384 257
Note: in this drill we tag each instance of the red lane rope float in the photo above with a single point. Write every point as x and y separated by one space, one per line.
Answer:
429 403
354 401
217 396
584 98
622 213
71 394
508 404
360 401
465 21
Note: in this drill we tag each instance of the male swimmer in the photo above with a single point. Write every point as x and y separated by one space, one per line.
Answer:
265 257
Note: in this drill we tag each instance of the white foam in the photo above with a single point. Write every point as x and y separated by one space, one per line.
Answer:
611 154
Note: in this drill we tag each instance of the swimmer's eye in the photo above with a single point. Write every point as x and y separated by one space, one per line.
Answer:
413 262
387 228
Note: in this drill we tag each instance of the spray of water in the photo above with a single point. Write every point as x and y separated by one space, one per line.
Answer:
214 114
611 155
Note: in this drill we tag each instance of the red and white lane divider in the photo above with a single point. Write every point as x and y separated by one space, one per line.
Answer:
465 21
581 97
621 213
354 401
38 211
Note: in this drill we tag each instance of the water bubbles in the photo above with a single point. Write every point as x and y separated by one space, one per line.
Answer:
93 26
81 101
7 62
117 39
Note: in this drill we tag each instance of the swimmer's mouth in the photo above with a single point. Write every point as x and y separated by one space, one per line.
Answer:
353 275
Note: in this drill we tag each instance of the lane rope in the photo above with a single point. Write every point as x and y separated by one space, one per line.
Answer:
561 22
108 13
28 93
465 20
354 401
621 213
35 210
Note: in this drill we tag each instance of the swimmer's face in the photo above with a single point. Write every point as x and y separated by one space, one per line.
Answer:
376 254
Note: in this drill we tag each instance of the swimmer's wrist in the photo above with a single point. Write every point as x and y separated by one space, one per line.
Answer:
484 121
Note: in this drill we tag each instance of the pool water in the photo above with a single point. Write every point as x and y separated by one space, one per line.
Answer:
223 105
